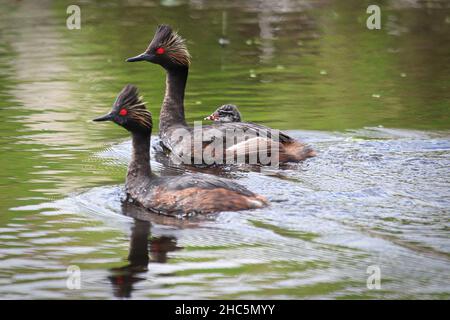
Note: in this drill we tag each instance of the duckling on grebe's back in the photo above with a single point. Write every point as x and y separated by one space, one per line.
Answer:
185 194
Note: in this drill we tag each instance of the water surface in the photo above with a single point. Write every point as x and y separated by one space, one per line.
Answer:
374 104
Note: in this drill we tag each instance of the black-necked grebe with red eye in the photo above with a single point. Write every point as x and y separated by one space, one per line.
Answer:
169 50
185 194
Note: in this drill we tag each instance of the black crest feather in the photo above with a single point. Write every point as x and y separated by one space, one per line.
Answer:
129 99
129 96
173 43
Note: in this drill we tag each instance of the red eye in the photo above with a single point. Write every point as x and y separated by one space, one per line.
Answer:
123 112
160 50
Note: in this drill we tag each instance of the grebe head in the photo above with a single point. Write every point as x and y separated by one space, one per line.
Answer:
129 112
167 49
225 113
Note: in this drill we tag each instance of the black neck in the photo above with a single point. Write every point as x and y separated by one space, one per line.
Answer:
172 111
139 167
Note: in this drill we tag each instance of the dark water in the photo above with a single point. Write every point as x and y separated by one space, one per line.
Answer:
374 104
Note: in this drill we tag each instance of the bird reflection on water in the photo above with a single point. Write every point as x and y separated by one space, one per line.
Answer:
143 250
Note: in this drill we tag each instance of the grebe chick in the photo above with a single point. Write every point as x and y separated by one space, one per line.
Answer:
169 50
178 195
225 113
288 152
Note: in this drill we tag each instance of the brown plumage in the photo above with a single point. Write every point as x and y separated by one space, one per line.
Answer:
200 200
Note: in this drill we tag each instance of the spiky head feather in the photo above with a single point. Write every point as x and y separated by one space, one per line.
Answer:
137 116
172 43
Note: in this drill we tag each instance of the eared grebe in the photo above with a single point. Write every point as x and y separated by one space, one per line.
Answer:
225 113
178 195
169 50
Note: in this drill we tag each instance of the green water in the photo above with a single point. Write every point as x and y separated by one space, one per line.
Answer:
374 103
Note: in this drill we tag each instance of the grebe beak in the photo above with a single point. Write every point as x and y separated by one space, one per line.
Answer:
142 57
106 117
213 117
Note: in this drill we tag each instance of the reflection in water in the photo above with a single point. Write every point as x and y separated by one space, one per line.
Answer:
124 277
159 247
330 218
141 244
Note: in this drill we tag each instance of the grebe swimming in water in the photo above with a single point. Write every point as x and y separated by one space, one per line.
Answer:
185 194
169 50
